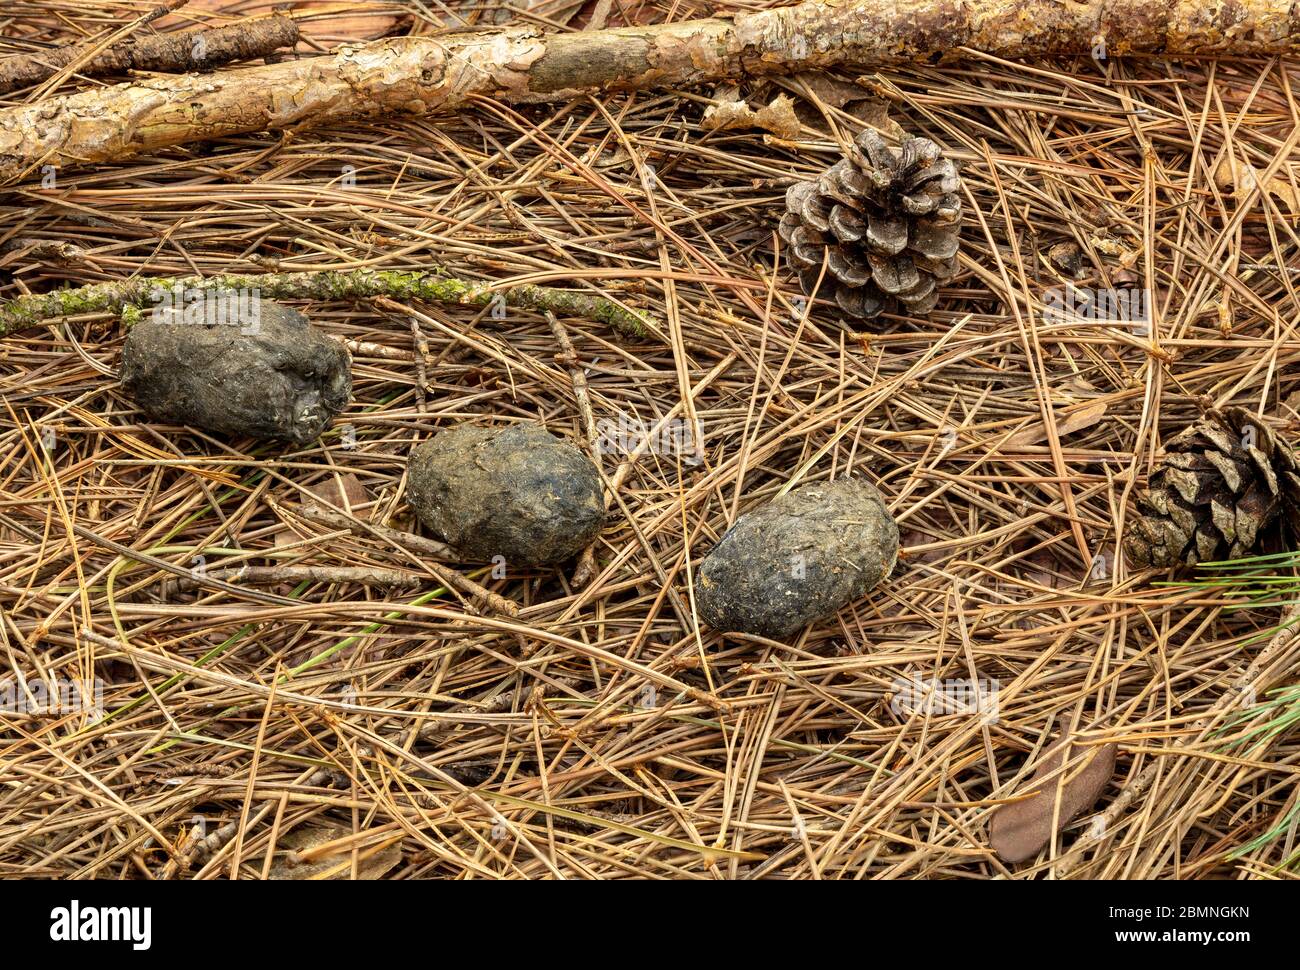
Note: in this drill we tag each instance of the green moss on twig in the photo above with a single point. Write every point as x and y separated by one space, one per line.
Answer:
130 297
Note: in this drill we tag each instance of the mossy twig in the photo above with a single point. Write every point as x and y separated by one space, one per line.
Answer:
131 298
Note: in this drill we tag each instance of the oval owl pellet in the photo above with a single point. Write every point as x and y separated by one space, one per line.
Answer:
516 492
264 371
798 559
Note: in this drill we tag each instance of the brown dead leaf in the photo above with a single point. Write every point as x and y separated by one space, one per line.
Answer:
1241 178
778 117
1067 258
1107 245
854 99
1020 830
831 91
1043 568
876 114
912 538
343 492
374 860
1068 421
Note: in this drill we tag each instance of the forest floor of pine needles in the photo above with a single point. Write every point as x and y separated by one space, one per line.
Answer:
602 732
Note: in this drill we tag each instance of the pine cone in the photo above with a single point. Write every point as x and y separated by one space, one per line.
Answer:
887 223
1224 484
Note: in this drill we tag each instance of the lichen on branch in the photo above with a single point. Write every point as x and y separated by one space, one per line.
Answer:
130 298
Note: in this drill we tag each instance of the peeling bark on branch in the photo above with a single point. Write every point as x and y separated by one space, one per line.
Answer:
419 75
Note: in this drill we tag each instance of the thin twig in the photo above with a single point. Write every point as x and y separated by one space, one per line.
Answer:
129 297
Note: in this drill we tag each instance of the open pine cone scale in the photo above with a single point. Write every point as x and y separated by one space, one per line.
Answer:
886 225
1225 485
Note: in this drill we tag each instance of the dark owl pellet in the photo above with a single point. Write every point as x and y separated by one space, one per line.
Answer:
517 492
263 372
797 560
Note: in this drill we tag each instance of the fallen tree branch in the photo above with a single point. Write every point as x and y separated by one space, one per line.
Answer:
179 51
419 75
128 297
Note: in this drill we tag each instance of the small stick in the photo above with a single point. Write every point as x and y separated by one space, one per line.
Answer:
367 348
449 577
421 374
177 52
269 575
127 297
198 847
493 601
81 53
49 250
567 356
503 701
407 540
